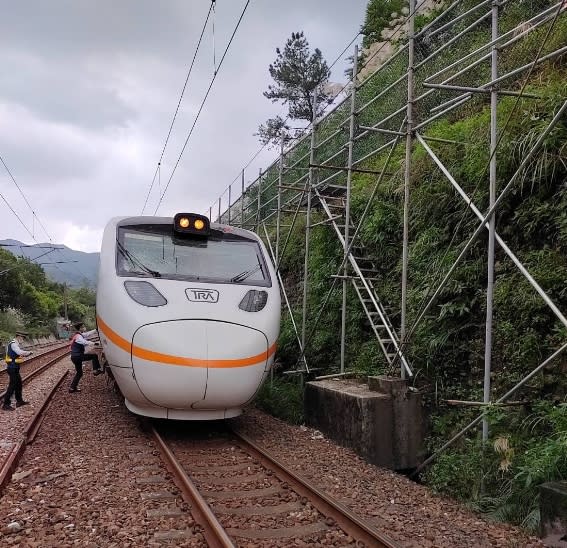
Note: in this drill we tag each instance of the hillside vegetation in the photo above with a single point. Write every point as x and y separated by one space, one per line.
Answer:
30 301
528 442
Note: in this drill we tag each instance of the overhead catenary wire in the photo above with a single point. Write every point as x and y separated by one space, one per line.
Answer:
215 74
35 216
211 8
31 260
17 216
31 233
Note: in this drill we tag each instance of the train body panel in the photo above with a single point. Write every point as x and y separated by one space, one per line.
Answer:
186 347
185 385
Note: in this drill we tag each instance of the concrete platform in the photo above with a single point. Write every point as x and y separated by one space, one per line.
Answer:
553 508
381 420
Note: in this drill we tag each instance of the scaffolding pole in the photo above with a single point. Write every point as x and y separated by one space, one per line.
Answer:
346 246
280 183
407 174
492 222
242 201
259 201
310 182
229 202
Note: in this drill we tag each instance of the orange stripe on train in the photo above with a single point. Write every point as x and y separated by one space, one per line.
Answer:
169 359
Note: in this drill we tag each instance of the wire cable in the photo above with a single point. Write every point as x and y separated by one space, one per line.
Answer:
202 105
27 202
35 216
211 8
17 216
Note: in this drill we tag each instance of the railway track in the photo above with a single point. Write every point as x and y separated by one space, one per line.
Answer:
239 494
35 365
11 460
103 483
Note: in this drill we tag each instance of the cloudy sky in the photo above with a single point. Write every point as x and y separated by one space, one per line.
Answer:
88 90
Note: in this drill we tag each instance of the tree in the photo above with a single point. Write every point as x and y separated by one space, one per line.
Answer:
10 280
273 129
296 73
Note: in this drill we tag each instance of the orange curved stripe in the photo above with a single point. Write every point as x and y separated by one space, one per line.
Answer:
150 355
113 336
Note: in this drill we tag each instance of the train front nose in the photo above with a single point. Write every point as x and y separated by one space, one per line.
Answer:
169 361
199 364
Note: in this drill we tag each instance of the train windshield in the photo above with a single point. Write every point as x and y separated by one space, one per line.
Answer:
153 251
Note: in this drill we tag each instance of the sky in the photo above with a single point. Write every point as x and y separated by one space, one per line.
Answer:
88 90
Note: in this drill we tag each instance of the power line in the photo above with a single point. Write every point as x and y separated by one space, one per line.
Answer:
211 8
17 216
215 74
81 273
60 262
31 260
35 246
25 199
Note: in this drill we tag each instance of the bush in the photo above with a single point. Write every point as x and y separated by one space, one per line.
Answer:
282 398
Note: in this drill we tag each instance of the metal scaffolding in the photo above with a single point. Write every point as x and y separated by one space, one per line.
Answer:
375 131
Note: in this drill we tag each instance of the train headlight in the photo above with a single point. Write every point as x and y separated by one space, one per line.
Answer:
191 224
254 301
144 293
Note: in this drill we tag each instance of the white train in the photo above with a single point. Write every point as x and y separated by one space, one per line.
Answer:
188 315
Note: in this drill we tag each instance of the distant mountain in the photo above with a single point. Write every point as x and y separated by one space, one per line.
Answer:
82 273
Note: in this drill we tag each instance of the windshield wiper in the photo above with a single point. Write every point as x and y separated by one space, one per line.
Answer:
246 274
136 262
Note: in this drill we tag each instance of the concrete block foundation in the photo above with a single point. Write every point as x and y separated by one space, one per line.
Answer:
382 421
553 509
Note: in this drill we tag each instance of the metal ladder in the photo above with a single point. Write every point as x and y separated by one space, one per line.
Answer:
363 268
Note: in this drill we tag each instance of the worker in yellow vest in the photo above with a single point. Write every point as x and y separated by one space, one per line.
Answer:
14 355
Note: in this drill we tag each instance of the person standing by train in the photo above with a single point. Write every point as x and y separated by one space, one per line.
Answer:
13 359
78 354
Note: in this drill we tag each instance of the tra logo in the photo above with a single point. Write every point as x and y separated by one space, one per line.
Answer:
202 295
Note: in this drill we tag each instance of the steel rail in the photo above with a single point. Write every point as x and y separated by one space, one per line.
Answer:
30 431
38 356
40 370
33 425
11 463
215 535
345 518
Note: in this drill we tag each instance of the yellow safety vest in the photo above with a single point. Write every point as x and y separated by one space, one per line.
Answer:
8 359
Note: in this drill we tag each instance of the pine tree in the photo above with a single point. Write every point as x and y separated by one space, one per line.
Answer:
296 73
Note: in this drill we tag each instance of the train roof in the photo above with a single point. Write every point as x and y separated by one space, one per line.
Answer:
147 219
